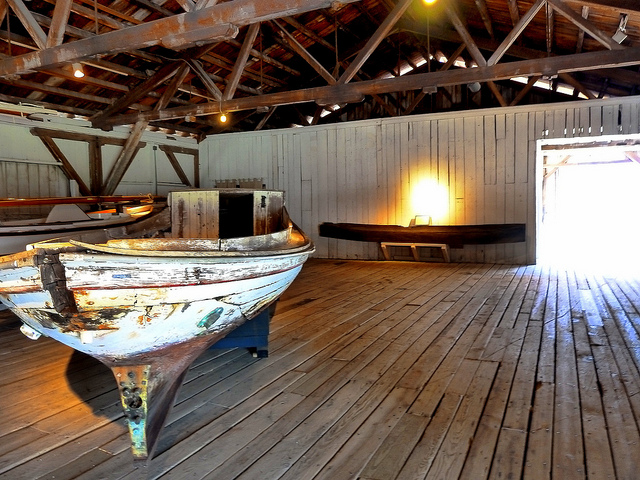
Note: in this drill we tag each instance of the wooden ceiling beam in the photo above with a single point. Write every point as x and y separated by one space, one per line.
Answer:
620 5
580 41
3 11
513 11
473 49
308 33
300 50
561 7
82 112
65 165
375 39
550 28
241 61
29 22
187 5
217 22
204 77
152 7
515 33
327 94
128 153
265 119
486 16
58 22
161 76
527 88
568 78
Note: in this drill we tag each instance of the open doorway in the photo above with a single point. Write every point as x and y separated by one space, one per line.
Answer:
591 206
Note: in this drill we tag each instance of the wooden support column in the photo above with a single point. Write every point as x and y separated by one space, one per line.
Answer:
95 167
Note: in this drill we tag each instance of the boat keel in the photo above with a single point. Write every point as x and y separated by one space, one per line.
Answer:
133 382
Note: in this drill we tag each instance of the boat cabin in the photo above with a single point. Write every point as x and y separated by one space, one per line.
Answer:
225 213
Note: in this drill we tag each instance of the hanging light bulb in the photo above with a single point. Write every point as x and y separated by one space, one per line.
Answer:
223 117
429 2
77 70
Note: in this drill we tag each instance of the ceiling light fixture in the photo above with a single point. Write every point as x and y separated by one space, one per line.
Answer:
223 117
77 70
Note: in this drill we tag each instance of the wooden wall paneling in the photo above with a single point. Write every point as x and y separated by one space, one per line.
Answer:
332 187
501 158
375 187
609 120
320 187
442 159
504 188
294 176
310 175
634 126
387 175
3 177
569 123
518 203
362 149
406 209
341 188
595 121
527 212
455 169
13 185
308 151
357 144
467 195
434 173
625 118
352 180
559 124
395 166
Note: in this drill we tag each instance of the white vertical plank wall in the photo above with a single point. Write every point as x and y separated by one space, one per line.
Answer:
27 168
364 171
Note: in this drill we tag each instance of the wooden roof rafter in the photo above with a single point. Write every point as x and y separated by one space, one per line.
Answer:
328 94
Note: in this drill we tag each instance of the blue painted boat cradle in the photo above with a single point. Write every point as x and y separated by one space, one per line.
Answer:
253 334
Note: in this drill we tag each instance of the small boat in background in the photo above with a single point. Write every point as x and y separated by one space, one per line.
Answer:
65 218
149 302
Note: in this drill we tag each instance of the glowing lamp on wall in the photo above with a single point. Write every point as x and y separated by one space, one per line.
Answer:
430 202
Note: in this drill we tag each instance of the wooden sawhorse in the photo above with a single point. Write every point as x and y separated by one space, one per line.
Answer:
414 249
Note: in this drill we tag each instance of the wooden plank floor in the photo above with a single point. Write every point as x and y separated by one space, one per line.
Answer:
377 370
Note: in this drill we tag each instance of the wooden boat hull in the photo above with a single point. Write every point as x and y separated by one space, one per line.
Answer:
16 235
120 320
148 307
453 235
